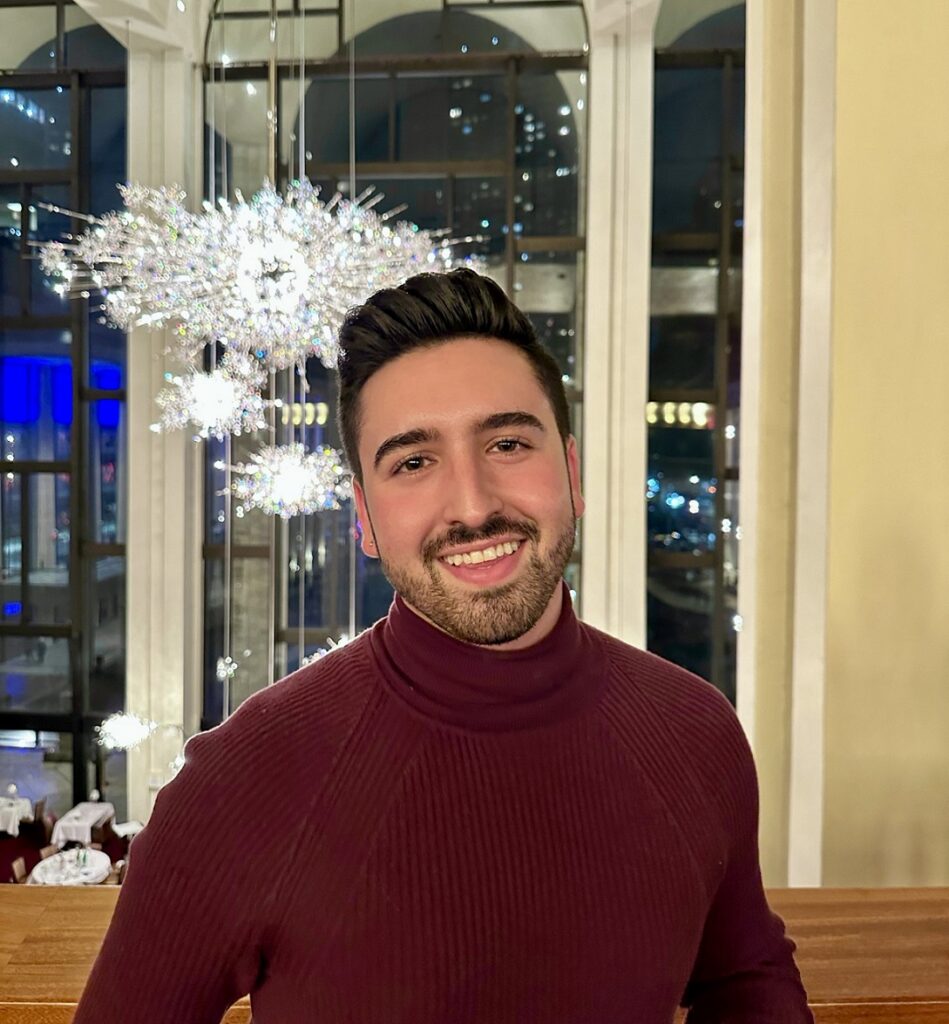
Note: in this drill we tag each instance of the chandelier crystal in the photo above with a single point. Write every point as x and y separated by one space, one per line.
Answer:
287 480
225 401
272 277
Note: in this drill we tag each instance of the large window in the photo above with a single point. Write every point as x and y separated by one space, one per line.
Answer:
473 115
62 412
695 348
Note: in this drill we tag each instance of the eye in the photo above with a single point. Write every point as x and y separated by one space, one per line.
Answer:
411 464
510 445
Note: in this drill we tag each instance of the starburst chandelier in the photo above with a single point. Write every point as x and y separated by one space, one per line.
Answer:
287 480
272 278
224 401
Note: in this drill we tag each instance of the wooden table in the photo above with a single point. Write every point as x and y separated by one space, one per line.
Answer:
873 956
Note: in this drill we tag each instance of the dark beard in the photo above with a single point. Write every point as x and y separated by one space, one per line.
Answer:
494 615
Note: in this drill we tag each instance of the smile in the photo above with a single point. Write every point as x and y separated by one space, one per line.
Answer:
488 554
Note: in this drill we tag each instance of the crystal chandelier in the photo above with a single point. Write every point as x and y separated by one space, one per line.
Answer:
287 480
271 278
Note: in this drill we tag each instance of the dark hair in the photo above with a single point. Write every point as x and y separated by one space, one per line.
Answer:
427 310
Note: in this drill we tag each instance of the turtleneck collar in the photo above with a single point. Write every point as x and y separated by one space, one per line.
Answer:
482 690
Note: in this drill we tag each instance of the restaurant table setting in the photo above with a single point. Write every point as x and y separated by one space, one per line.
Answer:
77 825
13 810
79 866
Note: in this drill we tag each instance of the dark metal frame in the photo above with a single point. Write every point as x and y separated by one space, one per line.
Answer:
718 244
83 552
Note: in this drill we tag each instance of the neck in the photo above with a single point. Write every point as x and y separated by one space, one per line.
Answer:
535 634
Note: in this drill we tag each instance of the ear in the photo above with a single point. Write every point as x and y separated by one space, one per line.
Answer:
573 472
367 541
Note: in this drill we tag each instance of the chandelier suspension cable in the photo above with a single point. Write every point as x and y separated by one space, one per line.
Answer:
301 367
225 192
272 176
227 665
301 116
301 557
352 195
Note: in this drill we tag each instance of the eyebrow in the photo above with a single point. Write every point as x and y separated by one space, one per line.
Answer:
420 435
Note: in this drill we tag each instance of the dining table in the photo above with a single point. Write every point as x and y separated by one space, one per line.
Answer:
79 866
13 810
77 824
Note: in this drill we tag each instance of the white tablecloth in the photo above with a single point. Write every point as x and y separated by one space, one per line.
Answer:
78 823
72 867
12 812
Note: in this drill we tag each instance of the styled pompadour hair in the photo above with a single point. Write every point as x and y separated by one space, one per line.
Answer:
425 311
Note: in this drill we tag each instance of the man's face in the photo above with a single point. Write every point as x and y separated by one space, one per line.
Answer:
467 495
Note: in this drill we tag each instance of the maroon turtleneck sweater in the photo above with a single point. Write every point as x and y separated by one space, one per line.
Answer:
415 830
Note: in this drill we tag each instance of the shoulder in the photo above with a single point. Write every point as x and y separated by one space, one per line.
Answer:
662 689
306 713
677 718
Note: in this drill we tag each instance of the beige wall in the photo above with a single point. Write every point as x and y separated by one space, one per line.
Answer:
886 806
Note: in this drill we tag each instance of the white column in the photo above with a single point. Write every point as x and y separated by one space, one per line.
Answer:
616 372
806 832
164 601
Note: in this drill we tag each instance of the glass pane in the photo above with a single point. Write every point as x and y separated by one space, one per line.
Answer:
247 40
107 354
681 487
682 352
27 40
45 226
326 122
454 30
458 117
106 147
319 546
35 394
731 535
40 764
687 168
34 127
11 556
480 211
732 432
548 286
250 582
87 44
34 674
106 468
112 783
48 594
212 712
106 610
237 114
679 617
14 268
550 142
681 286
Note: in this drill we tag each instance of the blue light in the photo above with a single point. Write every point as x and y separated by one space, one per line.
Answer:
11 608
675 500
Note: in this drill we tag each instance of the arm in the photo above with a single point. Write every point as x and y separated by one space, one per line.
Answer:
183 942
744 972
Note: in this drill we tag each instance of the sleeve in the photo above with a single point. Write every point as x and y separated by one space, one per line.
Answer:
183 943
744 971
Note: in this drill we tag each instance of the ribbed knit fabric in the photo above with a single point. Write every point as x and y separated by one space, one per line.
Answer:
415 830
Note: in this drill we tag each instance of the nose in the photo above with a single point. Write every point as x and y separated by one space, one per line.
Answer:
471 493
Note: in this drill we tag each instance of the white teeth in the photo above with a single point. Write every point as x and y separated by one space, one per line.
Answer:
485 555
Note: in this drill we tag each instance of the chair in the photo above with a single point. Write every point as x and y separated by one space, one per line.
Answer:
48 851
116 874
43 828
19 871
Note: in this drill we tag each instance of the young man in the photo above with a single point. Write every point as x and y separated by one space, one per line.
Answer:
481 810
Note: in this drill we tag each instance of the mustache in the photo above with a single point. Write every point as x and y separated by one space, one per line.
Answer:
496 526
